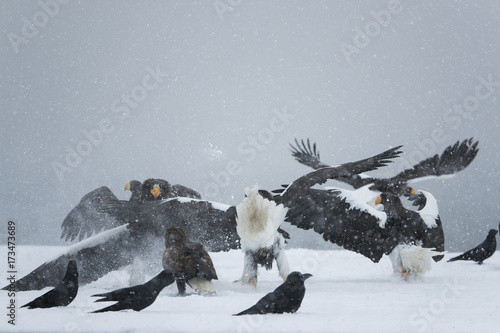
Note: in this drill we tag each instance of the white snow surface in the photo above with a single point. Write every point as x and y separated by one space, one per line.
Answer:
347 293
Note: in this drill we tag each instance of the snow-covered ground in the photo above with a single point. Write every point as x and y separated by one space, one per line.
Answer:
347 293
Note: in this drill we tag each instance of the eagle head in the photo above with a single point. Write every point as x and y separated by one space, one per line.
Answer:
174 236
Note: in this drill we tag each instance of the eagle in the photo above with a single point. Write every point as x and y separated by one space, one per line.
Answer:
88 217
159 189
189 262
142 227
258 220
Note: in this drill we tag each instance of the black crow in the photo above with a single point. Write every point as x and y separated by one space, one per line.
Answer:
136 297
189 262
481 252
63 294
286 298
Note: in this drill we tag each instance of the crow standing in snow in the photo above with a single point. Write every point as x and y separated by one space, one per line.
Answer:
481 252
286 298
137 297
63 294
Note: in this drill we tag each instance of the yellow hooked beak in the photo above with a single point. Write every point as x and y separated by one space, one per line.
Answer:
155 192
378 200
413 191
127 187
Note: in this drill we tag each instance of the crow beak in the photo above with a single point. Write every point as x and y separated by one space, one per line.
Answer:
306 276
155 192
127 187
378 200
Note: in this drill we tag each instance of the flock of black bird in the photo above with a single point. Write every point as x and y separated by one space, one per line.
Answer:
169 228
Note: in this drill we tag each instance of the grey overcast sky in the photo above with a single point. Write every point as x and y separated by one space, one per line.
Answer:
209 93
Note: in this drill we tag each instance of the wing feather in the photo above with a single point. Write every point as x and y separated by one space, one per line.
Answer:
209 223
86 219
95 257
454 158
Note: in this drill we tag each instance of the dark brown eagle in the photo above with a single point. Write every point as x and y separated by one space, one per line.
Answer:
189 262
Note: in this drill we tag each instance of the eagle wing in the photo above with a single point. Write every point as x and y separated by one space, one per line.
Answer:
307 155
203 221
86 218
183 191
331 215
345 170
205 266
95 256
454 159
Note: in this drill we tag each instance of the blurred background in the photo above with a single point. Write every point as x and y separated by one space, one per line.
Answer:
210 93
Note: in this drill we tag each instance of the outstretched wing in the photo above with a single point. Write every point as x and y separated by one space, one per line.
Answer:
307 155
183 191
95 256
203 221
86 219
354 226
454 159
332 215
345 170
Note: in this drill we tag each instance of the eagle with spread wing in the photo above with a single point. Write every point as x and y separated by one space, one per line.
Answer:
350 218
454 158
142 227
